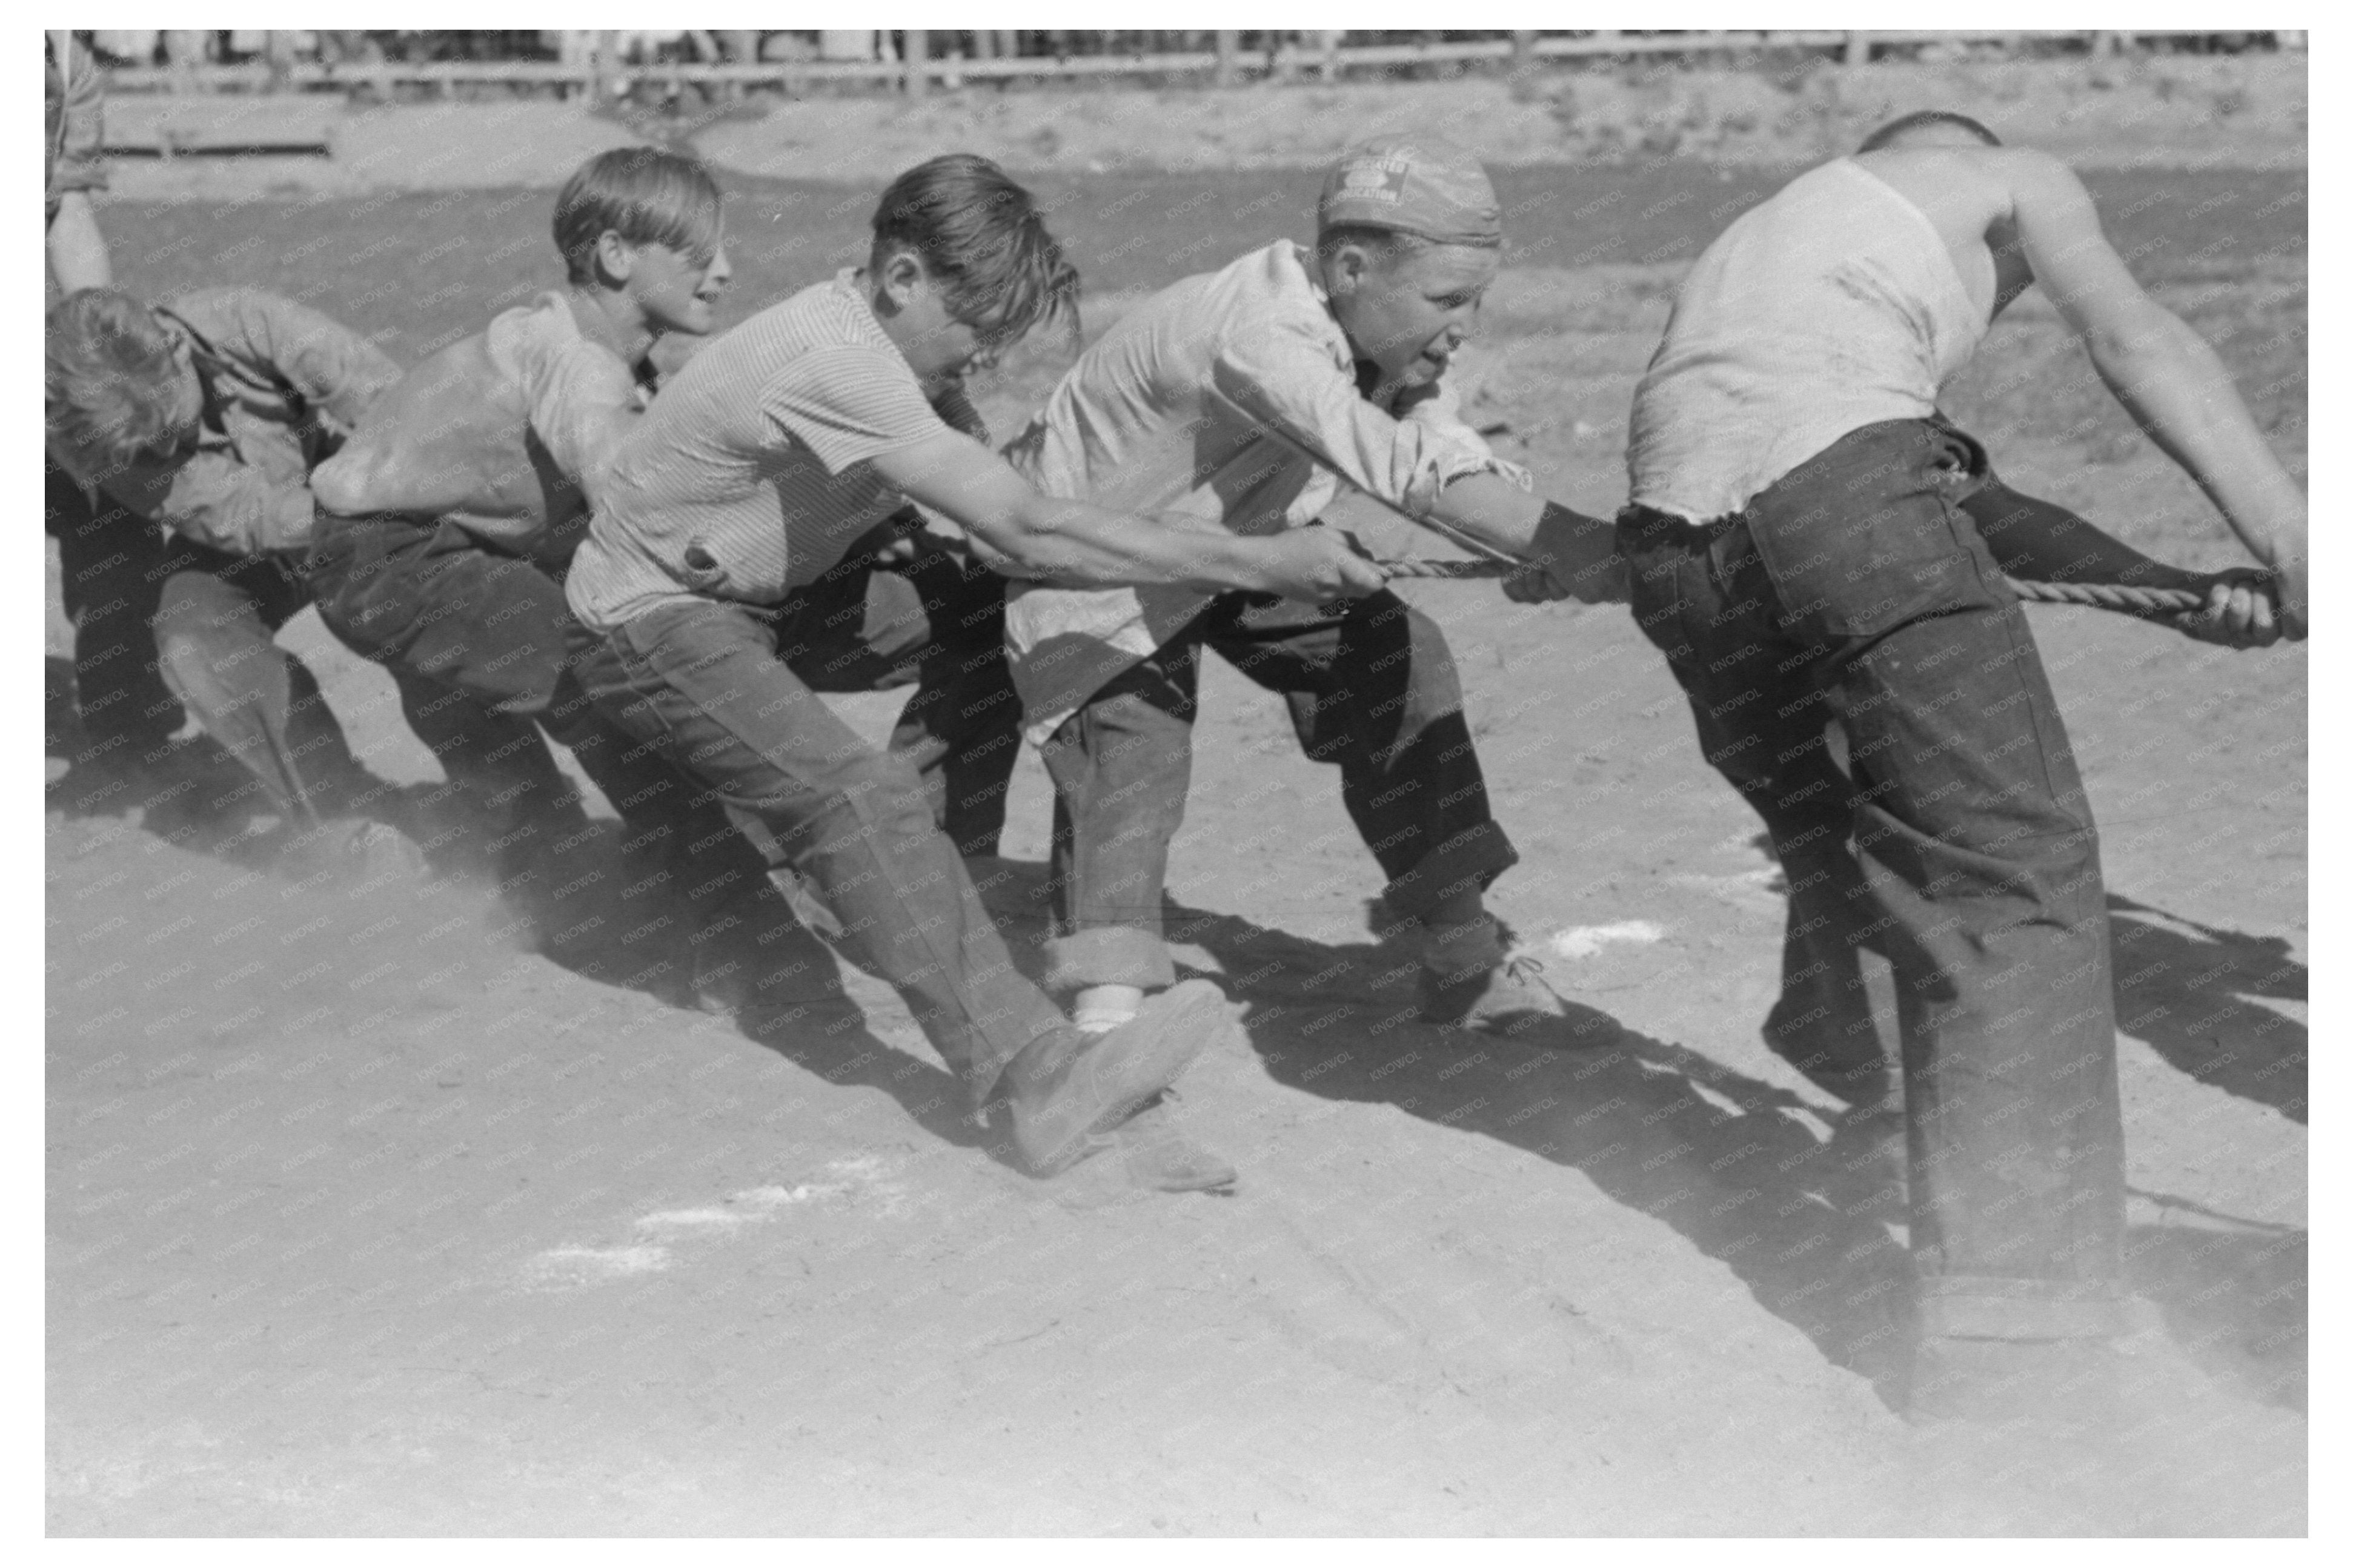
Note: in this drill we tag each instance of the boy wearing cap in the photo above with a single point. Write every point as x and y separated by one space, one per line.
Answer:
1235 401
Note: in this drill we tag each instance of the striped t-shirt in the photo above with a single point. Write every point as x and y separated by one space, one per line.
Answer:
752 475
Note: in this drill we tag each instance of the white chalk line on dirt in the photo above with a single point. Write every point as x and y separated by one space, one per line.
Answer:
1585 941
561 1268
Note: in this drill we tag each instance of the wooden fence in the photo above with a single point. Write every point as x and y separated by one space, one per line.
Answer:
1320 57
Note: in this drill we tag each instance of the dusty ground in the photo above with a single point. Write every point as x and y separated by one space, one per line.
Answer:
362 1221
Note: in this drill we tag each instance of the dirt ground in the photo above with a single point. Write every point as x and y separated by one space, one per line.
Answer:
362 1219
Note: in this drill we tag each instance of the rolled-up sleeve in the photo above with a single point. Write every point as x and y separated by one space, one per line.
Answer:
849 404
1437 408
338 372
1286 380
217 499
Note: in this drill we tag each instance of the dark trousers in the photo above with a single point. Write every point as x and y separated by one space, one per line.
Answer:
703 685
1372 689
938 624
115 565
1861 673
481 645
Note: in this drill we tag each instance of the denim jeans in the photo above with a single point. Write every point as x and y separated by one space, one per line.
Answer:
1861 673
702 684
1371 689
482 646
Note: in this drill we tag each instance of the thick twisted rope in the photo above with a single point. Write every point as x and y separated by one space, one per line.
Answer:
2142 601
2149 603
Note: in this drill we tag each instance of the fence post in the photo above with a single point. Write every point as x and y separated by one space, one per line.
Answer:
1328 68
916 57
1524 51
1858 49
605 81
278 51
1229 45
573 52
2291 40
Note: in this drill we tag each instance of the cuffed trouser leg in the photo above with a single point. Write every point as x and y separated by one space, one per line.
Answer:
702 684
1968 826
1121 767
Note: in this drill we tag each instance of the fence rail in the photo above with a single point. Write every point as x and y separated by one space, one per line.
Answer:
1328 61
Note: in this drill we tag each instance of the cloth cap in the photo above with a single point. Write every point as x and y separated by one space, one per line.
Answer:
1412 184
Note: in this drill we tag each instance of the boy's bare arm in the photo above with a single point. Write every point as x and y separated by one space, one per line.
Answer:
2165 377
339 372
77 254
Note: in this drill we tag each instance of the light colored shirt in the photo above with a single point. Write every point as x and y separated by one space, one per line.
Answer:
1170 415
752 473
1833 305
517 416
283 385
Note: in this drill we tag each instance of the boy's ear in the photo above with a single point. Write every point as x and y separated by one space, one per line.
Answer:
1345 269
615 257
902 274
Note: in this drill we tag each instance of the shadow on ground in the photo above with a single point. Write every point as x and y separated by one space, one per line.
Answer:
2195 993
2192 990
1738 1166
787 988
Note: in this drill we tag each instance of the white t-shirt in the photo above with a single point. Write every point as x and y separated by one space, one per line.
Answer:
1830 306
